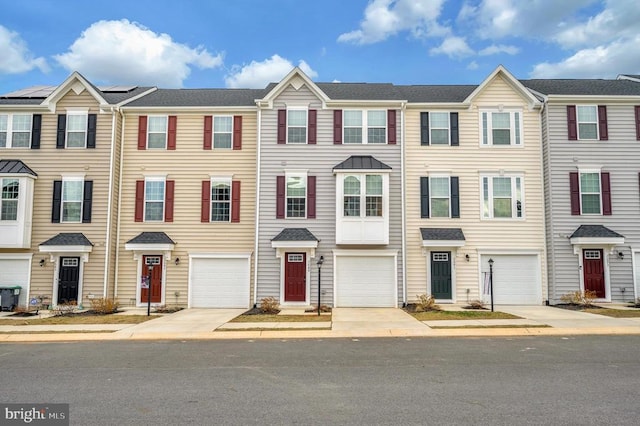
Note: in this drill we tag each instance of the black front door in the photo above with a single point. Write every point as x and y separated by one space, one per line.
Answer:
441 274
68 279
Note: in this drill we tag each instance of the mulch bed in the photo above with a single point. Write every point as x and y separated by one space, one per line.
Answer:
575 306
257 311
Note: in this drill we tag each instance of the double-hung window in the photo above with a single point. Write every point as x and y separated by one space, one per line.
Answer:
296 196
590 193
297 126
222 132
154 193
587 122
72 196
501 128
502 197
365 127
351 196
9 200
220 200
76 130
439 196
362 196
439 128
157 132
15 130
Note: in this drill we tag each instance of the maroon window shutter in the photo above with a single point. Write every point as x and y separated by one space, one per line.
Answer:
280 197
237 132
606 193
235 201
637 108
575 193
337 127
168 200
208 132
139 215
205 210
171 134
311 197
602 122
142 132
391 126
282 126
312 129
572 123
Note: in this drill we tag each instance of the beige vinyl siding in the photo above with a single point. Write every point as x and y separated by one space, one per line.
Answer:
318 160
468 161
51 164
115 186
188 166
620 156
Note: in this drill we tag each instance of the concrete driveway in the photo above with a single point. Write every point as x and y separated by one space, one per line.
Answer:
373 321
187 323
565 318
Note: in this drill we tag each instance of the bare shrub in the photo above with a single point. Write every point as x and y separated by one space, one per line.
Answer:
426 303
581 298
475 304
104 306
63 309
269 305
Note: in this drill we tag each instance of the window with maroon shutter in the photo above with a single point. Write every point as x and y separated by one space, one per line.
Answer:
237 132
574 187
391 126
235 201
171 133
142 133
280 197
312 127
208 132
205 207
337 127
168 201
311 197
282 126
139 214
572 124
602 123
637 111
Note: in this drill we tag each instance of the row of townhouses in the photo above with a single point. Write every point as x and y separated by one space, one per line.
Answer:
364 194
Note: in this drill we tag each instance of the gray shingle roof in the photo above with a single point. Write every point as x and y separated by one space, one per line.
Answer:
117 97
362 91
14 101
151 238
442 234
295 234
15 166
584 87
594 231
362 162
68 239
436 93
199 98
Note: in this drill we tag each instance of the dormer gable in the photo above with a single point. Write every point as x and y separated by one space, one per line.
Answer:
296 79
531 100
78 84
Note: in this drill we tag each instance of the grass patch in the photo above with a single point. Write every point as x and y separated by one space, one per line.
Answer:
615 313
496 326
79 319
281 318
461 315
272 329
58 332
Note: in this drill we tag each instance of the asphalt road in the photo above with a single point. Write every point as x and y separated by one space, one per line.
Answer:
502 381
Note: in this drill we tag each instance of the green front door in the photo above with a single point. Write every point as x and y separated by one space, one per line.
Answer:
441 274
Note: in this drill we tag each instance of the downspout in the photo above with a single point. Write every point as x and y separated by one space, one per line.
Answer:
107 239
255 258
115 287
403 207
548 231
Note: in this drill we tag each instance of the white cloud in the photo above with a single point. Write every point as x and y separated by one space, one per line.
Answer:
473 65
453 47
15 56
598 62
495 49
258 74
385 18
127 52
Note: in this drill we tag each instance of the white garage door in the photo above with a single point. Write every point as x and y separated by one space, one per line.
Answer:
15 272
219 283
365 281
516 279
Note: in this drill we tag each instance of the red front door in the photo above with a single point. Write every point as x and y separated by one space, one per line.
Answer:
295 274
593 266
156 279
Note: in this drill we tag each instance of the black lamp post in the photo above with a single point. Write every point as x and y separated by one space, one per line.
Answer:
491 281
319 263
150 268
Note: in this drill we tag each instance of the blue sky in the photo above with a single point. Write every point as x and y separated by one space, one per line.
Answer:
248 43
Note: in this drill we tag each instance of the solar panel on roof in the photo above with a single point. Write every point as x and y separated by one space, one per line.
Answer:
116 89
31 92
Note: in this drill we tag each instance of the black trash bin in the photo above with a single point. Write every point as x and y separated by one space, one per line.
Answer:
9 297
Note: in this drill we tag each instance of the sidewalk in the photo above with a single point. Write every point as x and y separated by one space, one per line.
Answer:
346 323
